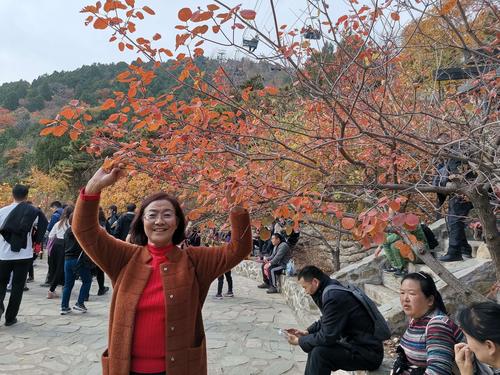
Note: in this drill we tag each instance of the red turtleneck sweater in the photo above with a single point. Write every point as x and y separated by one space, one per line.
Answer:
148 344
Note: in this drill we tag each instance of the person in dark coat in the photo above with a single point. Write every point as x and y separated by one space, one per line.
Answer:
275 263
17 223
113 216
124 222
342 339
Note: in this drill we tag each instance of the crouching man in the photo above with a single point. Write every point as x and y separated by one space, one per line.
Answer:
343 338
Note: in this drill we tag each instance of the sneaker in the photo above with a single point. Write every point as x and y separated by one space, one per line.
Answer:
65 310
30 279
451 258
390 269
51 295
103 291
263 286
229 294
26 288
272 290
80 307
218 296
400 273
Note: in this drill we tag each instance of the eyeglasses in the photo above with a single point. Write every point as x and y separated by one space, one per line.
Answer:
152 216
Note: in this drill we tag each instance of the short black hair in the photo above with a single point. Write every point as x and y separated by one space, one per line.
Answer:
56 204
279 236
131 207
480 320
20 192
113 208
310 272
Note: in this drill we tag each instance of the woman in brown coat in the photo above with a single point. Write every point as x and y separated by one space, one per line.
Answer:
155 321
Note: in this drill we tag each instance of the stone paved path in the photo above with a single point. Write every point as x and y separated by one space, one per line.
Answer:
242 333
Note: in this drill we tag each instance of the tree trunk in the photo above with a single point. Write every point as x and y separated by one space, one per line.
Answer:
481 203
468 294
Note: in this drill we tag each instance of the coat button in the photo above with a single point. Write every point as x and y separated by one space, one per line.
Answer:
172 328
172 359
165 269
171 296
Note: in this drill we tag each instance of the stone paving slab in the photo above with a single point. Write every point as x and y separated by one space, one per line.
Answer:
242 333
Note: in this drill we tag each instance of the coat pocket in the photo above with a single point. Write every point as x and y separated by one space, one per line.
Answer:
197 359
105 362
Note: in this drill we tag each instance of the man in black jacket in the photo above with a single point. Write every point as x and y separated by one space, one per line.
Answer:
124 222
343 337
17 222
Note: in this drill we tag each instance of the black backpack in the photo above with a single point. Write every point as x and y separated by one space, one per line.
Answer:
432 241
382 331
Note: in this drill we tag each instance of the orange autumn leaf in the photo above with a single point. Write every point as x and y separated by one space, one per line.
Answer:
348 223
271 90
148 10
395 16
405 250
73 135
447 7
101 23
87 117
109 103
395 205
412 220
45 121
67 113
59 130
184 14
212 7
248 14
47 131
156 36
78 125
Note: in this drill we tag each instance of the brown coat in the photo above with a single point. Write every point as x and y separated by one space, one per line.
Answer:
186 280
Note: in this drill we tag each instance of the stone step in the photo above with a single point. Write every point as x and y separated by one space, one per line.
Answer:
380 294
390 281
473 243
453 267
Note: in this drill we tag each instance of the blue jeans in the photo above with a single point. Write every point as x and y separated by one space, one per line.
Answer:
69 282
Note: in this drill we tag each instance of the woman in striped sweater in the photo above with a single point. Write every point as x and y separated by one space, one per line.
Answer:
427 344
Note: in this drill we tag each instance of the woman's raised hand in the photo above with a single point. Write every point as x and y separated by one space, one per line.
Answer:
103 178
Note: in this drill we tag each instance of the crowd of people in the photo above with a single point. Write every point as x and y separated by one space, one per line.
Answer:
161 274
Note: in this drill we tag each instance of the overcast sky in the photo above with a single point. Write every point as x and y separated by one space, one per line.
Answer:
43 36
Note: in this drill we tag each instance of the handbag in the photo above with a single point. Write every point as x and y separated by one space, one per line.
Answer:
50 245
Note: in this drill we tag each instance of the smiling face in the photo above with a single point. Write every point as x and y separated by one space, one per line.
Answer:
413 301
160 222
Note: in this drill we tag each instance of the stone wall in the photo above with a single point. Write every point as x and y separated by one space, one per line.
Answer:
365 271
350 251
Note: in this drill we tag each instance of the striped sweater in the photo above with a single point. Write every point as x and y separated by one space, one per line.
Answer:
428 342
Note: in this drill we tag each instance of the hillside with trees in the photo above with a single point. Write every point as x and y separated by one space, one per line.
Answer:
23 104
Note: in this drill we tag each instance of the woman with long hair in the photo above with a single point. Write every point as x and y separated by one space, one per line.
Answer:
155 320
56 259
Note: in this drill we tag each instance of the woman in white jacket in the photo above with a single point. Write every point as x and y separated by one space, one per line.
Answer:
57 252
